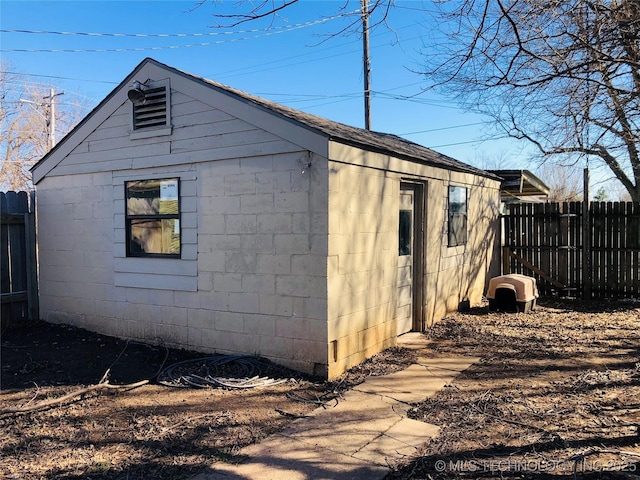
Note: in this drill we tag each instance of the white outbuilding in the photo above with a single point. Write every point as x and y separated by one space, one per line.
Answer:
181 210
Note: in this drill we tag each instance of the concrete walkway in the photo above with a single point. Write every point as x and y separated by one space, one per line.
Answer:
359 437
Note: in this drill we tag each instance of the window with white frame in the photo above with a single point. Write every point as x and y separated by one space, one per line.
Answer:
152 218
457 230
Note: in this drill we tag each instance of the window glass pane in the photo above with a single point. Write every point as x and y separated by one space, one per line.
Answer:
153 213
457 231
169 197
155 236
143 197
457 200
404 230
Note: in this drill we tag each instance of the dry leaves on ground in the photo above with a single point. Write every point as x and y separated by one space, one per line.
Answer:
150 432
556 393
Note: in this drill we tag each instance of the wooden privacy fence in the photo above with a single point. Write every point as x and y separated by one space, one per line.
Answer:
592 253
18 272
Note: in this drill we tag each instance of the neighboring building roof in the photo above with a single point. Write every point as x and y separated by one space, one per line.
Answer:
365 139
520 183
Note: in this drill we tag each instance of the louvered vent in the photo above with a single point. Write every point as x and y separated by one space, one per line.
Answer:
153 111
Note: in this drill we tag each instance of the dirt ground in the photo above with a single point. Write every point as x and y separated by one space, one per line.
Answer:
149 432
556 394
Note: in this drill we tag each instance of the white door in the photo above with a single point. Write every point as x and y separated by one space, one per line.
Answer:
406 250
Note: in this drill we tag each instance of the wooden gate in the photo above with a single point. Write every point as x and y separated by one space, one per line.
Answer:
550 241
18 272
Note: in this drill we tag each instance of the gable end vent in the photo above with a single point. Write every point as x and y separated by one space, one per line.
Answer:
153 111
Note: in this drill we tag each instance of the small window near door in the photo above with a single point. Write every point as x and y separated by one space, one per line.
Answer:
457 216
404 231
153 218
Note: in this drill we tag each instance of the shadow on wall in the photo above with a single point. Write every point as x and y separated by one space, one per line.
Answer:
481 253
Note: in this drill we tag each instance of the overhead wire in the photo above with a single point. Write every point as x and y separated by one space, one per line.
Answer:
443 128
60 78
481 140
193 34
270 31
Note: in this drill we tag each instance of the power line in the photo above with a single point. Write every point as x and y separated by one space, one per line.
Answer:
195 34
443 128
311 97
58 78
251 69
482 140
267 33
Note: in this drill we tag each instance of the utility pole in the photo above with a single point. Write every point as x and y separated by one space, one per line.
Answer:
51 123
367 67
50 119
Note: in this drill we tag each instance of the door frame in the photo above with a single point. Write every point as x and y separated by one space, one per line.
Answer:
419 189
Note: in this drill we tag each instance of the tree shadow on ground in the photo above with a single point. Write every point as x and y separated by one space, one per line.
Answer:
570 304
533 461
559 385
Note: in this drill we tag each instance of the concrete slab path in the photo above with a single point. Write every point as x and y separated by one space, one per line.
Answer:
358 438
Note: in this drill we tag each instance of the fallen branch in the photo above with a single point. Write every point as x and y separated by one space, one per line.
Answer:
294 396
164 430
103 384
597 451
580 457
290 415
513 422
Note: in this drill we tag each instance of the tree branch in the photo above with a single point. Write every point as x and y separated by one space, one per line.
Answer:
103 384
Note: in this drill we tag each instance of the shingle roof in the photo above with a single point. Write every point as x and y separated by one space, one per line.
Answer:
365 139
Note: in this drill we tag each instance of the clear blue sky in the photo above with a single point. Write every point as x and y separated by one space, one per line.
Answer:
290 60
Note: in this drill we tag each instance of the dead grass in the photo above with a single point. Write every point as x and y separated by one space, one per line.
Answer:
151 432
556 394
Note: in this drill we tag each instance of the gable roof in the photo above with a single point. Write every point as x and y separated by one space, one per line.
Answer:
334 131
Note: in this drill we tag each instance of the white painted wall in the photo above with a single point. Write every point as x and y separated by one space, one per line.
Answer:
252 277
364 194
291 262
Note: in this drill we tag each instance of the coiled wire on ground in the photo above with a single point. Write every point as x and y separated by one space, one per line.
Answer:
227 371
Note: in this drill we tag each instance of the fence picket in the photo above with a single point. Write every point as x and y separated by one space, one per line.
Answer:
550 237
17 257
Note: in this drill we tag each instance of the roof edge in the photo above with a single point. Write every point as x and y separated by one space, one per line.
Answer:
51 153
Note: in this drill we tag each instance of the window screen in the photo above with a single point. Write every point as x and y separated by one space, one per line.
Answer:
153 217
457 216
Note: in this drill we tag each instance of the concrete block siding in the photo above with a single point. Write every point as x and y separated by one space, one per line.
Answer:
263 257
289 235
259 279
363 250
313 289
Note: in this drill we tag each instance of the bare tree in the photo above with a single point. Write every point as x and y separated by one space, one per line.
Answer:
561 74
24 130
249 11
564 182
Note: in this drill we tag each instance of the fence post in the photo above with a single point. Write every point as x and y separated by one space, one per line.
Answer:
32 260
586 239
506 260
